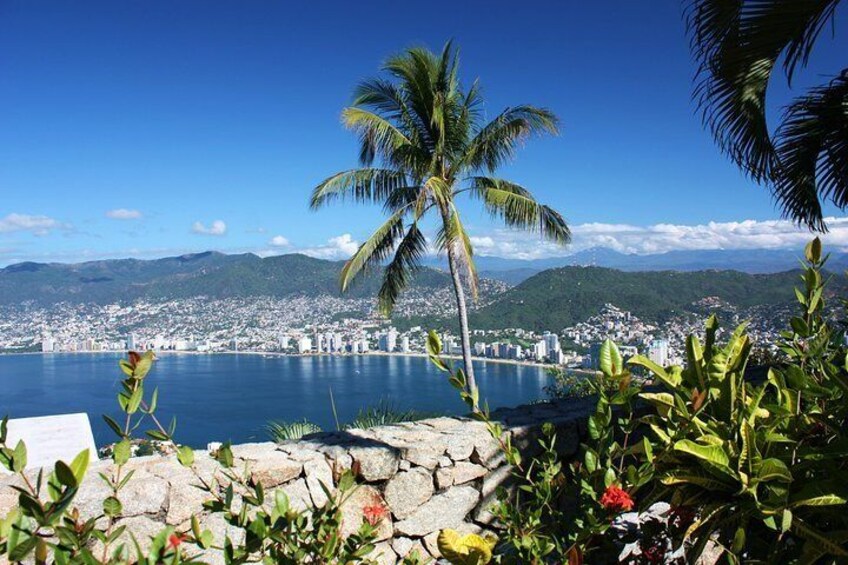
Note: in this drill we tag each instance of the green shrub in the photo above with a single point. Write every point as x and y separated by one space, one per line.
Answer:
567 384
755 469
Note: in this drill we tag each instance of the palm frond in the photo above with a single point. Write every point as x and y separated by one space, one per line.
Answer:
400 271
812 145
737 44
374 250
516 206
361 185
376 133
389 102
496 142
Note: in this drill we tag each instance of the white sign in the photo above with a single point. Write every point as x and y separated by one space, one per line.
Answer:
49 438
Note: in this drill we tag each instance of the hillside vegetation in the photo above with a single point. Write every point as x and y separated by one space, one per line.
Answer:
211 274
558 298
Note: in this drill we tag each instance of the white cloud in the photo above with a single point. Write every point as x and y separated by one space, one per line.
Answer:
660 238
339 247
218 227
37 225
123 214
279 241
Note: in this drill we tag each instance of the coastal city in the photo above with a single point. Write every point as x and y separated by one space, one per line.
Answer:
329 325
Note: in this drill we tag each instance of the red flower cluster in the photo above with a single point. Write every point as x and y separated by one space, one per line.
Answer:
616 499
374 513
174 541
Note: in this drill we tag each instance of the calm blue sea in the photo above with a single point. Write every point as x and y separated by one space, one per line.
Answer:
231 397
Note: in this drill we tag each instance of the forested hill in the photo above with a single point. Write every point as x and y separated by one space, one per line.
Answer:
559 298
211 274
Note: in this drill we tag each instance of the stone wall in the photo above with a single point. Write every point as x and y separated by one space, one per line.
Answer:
432 474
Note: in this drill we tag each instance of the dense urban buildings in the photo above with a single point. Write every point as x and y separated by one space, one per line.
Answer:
330 325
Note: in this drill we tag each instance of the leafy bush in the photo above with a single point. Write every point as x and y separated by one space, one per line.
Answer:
567 384
703 455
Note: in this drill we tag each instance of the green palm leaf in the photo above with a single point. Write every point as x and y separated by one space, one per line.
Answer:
361 185
517 207
399 272
738 44
374 250
812 148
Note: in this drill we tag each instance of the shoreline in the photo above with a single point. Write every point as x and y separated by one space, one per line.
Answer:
452 357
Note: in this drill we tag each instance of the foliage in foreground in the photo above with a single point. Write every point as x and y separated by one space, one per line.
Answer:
740 47
754 470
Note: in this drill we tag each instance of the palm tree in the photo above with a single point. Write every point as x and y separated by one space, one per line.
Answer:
738 45
423 144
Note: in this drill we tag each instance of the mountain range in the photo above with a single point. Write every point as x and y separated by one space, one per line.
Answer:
551 298
212 274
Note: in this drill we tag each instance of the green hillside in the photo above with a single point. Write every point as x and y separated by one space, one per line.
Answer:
558 298
215 275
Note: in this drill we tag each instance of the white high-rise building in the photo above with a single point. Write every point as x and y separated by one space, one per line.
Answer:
388 341
47 344
304 345
283 342
448 345
540 350
658 352
319 343
404 344
551 342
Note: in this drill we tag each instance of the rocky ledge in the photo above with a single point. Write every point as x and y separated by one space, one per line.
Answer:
430 475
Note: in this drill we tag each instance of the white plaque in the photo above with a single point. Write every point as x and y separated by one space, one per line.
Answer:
49 438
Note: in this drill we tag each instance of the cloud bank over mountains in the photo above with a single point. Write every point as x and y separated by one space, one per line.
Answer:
28 237
661 238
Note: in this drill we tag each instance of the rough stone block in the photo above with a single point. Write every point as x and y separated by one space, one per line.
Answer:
274 468
354 511
318 472
465 471
445 510
376 463
408 490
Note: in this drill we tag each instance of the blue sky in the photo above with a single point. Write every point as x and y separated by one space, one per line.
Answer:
152 128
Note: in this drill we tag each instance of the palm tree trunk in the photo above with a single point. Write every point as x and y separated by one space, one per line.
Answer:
465 338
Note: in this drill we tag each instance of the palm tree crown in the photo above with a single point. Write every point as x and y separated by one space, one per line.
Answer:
423 142
739 44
